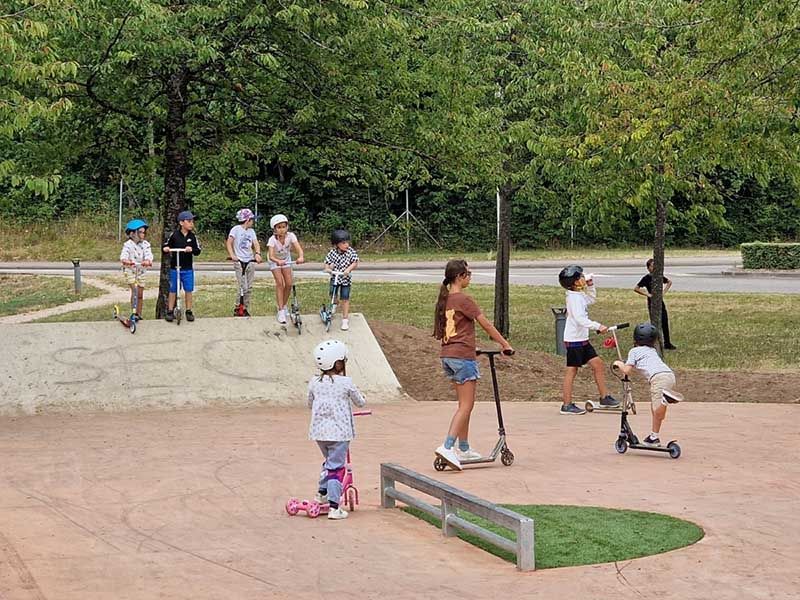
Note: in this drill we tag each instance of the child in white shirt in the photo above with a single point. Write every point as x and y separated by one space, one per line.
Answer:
580 295
279 252
136 256
330 395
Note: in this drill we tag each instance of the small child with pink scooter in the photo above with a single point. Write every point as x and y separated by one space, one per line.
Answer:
330 395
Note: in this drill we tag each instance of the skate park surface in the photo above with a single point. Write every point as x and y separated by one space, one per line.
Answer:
75 367
189 504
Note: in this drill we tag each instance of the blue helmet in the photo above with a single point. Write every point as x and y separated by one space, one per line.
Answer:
135 225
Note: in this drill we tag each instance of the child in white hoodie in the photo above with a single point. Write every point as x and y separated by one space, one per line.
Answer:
329 397
580 294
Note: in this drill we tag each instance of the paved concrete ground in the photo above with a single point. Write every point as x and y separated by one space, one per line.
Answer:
75 367
189 505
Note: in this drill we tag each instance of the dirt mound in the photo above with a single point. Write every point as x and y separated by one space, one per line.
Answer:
536 376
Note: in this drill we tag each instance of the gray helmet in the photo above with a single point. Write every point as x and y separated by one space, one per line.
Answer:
340 235
645 334
569 275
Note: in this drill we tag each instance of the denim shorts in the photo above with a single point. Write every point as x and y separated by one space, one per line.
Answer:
187 280
344 291
461 370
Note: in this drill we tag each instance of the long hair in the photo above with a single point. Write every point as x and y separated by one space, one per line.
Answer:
452 270
339 368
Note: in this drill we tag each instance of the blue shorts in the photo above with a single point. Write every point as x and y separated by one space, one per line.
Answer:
344 291
461 370
187 280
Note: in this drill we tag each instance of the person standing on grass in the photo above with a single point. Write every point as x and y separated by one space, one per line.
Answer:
645 288
243 249
454 325
183 237
581 293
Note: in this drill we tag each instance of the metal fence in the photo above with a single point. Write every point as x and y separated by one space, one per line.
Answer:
452 500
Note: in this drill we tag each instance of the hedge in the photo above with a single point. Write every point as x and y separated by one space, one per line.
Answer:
760 255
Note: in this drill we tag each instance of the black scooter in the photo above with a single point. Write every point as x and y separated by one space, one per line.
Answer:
500 448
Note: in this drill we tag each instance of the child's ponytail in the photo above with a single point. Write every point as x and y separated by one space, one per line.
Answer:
452 270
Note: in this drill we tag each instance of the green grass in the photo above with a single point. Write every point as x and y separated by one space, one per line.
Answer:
567 536
27 293
97 241
713 330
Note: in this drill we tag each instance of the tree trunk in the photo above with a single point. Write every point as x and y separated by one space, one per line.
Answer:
176 168
657 298
501 290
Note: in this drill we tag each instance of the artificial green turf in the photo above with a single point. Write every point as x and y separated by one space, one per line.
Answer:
567 536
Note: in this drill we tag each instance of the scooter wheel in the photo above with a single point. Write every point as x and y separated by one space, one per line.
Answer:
132 324
178 316
292 506
439 463
351 499
621 445
674 450
507 457
589 406
313 509
116 311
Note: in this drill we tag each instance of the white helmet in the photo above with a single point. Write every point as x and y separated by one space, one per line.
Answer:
328 352
279 218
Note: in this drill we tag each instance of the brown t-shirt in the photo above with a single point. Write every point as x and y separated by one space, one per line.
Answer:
459 330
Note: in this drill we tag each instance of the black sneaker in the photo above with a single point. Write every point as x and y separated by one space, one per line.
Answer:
246 314
670 347
170 316
609 402
651 441
189 315
572 409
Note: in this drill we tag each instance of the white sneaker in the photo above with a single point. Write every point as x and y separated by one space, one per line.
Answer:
281 316
337 514
321 498
468 454
345 324
449 456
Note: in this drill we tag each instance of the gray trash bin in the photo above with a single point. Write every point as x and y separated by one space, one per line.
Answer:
560 313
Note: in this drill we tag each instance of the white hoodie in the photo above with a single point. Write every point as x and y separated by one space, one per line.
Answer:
578 321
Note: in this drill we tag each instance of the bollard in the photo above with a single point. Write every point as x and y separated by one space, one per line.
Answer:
560 314
76 265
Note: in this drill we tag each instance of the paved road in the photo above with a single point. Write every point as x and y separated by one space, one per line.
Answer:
688 274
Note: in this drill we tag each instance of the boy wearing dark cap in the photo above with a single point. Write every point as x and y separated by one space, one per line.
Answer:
184 238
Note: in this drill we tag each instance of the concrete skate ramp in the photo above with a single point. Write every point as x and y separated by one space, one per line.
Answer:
77 367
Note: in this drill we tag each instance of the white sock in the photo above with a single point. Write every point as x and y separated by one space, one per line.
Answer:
653 435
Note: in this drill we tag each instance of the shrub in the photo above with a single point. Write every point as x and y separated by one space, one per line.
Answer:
759 255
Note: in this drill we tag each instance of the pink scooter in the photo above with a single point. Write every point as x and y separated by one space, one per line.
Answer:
312 508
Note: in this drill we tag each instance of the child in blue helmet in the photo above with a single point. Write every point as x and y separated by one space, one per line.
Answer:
135 257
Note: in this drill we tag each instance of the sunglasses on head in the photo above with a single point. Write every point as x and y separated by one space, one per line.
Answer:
467 273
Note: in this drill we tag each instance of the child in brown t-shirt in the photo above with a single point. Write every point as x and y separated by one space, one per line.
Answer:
454 324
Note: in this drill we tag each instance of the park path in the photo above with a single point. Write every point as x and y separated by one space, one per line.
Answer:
114 294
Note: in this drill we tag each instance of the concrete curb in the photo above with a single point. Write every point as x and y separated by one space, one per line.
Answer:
740 272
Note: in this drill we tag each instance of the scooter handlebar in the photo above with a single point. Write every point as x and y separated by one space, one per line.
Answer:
507 352
614 328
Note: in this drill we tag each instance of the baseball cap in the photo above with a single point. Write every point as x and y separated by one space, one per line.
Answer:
185 215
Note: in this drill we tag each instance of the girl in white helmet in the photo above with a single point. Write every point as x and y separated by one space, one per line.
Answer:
330 395
279 254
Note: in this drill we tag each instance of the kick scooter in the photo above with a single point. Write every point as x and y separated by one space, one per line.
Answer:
240 310
612 342
326 312
627 438
177 311
312 508
130 322
294 312
500 448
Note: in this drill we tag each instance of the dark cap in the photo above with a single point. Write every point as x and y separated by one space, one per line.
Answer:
185 216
